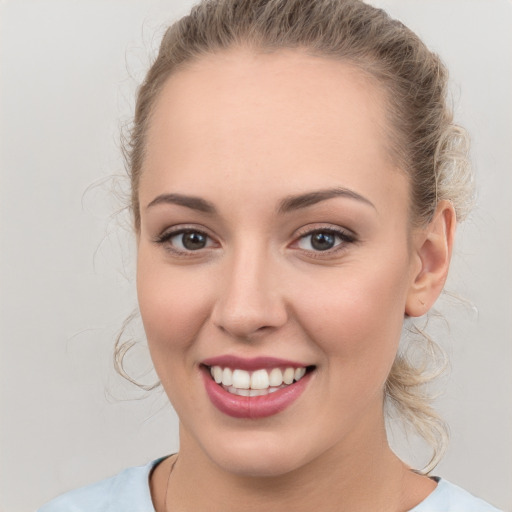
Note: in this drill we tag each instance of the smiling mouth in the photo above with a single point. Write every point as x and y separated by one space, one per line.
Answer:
258 382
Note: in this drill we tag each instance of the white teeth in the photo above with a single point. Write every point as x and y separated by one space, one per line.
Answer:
259 379
217 374
252 392
259 382
275 377
227 377
299 373
288 375
241 379
258 392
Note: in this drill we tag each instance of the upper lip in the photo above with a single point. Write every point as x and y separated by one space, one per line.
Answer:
251 364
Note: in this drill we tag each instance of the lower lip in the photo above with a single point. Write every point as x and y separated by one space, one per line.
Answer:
253 407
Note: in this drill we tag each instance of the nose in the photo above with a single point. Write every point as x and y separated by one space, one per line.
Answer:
250 301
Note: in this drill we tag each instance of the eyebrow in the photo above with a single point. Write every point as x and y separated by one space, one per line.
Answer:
289 204
293 203
192 202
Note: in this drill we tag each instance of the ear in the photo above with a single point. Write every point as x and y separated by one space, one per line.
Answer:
433 250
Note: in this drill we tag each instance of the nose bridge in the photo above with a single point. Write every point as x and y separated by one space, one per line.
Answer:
249 300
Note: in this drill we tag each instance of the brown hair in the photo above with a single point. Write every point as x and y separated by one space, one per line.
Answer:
427 145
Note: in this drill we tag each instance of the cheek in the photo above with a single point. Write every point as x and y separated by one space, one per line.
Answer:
356 315
173 303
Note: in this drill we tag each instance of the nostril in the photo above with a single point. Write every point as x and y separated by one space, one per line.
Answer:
264 328
245 330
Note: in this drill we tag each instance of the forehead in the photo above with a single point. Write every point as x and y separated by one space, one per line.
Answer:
265 116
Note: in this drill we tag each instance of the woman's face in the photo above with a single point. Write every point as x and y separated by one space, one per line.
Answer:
274 234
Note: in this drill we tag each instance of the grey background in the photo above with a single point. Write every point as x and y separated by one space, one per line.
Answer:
67 76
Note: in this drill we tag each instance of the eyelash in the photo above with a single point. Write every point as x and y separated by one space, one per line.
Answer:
344 237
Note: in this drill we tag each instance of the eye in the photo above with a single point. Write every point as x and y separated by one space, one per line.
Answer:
323 240
186 240
189 240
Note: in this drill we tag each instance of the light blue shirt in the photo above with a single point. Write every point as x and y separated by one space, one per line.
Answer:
129 492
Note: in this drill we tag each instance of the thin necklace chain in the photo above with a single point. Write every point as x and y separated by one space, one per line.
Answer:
168 480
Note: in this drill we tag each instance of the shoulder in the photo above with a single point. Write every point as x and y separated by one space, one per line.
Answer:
448 497
128 491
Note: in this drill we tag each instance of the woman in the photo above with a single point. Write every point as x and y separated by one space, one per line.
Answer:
296 184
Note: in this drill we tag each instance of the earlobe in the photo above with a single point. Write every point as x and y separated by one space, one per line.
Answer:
433 250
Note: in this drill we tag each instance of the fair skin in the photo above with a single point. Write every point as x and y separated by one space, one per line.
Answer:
244 132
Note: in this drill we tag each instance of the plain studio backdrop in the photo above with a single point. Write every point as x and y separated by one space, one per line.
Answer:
68 73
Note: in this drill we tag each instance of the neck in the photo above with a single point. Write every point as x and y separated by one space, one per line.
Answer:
367 477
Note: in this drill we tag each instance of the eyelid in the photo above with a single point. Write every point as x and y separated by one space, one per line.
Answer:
318 226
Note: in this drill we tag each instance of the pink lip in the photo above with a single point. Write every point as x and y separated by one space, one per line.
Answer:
256 406
251 364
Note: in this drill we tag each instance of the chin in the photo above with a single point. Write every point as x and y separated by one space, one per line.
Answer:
257 466
255 457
